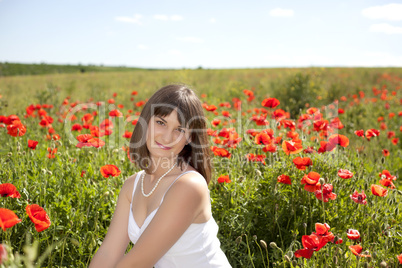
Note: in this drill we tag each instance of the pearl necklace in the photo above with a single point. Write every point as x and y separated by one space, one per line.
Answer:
156 185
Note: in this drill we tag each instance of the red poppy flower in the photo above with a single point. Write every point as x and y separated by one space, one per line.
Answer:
262 138
339 139
269 148
311 181
270 102
378 190
16 128
395 141
226 114
220 152
51 153
325 193
285 179
302 162
360 133
385 152
292 147
38 216
87 118
9 190
84 140
97 143
279 114
345 174
224 179
256 158
372 133
232 140
76 127
32 144
356 250
399 258
321 125
387 183
8 218
315 241
83 172
209 108
110 170
115 113
353 234
359 198
309 150
216 122
127 134
386 174
326 147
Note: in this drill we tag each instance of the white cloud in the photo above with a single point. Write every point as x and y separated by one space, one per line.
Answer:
176 17
135 19
280 12
379 58
141 46
392 12
191 39
166 17
174 52
385 28
212 20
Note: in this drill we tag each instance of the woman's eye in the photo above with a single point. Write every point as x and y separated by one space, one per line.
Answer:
160 123
181 130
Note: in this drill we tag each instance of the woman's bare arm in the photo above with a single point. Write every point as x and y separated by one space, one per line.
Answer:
183 202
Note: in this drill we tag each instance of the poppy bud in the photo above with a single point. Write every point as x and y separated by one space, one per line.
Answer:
335 260
9 154
49 172
305 225
106 193
75 242
321 181
383 264
273 245
287 258
238 240
255 237
258 172
294 263
263 244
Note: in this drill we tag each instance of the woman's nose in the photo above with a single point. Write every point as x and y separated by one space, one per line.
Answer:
167 137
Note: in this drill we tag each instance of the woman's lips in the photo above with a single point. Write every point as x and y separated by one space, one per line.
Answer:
163 147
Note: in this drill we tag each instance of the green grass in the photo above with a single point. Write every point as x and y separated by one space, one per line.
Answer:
252 207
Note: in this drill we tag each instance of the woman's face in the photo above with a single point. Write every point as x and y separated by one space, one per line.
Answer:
165 136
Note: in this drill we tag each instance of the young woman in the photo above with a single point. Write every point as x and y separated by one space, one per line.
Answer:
165 208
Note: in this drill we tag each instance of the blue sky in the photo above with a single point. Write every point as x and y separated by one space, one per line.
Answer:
211 34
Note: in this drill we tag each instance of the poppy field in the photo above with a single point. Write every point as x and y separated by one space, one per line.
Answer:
307 163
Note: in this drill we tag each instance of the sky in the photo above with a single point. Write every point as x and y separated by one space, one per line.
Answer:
209 33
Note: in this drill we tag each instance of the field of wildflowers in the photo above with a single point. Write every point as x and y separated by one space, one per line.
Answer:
307 163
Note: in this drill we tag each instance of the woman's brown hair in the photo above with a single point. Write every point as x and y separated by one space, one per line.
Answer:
190 114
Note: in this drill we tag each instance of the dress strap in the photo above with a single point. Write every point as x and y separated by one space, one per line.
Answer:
135 183
175 181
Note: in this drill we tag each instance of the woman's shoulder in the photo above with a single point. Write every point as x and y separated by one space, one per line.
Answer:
191 181
128 185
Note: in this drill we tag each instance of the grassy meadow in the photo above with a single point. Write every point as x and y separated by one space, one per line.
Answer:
270 208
